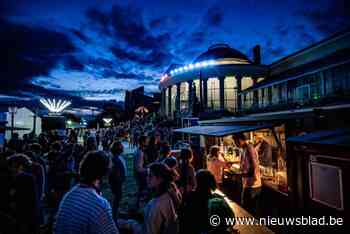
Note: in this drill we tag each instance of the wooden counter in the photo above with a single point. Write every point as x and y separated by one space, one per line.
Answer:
240 212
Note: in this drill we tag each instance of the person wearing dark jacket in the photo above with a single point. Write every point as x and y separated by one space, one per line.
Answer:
25 197
117 175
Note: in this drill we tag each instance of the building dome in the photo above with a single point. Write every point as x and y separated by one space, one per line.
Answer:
221 51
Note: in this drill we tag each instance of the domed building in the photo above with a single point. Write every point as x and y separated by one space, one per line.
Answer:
211 83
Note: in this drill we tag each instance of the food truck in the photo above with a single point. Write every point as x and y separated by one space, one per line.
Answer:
280 192
274 171
319 171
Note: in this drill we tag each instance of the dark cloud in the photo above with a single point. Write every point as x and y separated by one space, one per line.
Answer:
214 17
27 52
128 25
112 73
72 63
101 63
154 58
198 38
330 19
81 36
276 51
98 17
7 8
156 23
133 30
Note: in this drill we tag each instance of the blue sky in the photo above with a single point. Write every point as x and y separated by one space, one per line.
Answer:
97 49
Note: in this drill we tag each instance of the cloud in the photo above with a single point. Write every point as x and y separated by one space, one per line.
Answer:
81 35
72 63
330 19
83 84
155 58
28 51
214 16
158 22
127 24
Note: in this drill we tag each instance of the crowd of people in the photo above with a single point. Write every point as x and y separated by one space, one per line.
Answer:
53 183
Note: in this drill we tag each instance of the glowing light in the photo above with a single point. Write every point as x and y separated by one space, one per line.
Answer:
197 65
107 121
55 106
69 122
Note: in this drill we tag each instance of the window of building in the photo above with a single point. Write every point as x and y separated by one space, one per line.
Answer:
276 94
269 95
247 82
247 101
213 93
184 91
283 93
266 97
260 79
166 101
328 80
302 93
315 86
261 97
230 93
340 78
197 88
173 99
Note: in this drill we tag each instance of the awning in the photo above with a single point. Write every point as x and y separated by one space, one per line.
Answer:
220 131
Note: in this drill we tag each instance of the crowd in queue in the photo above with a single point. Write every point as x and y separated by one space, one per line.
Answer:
55 182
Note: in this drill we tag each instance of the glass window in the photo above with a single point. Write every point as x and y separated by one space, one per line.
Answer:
184 91
247 82
261 97
302 93
213 93
166 101
328 79
339 80
230 93
276 94
197 88
247 101
282 93
260 79
315 86
173 99
266 97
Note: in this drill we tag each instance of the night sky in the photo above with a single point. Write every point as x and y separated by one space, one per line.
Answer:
97 49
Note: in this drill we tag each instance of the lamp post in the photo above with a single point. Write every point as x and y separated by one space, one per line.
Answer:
12 110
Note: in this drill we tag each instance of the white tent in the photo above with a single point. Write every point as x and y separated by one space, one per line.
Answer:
23 118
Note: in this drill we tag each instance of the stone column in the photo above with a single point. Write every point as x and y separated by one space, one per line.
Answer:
162 101
255 93
205 93
190 95
169 103
239 89
177 102
222 92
